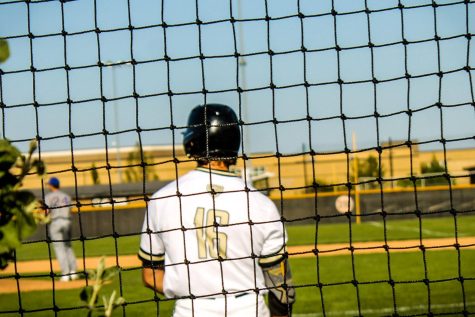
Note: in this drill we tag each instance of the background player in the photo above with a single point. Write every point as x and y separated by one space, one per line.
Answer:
58 204
207 239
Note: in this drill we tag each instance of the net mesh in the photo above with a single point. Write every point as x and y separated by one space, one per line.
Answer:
306 79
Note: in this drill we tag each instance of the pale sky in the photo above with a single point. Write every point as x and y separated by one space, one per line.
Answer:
216 39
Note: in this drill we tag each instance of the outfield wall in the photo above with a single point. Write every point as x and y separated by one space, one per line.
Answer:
397 204
126 220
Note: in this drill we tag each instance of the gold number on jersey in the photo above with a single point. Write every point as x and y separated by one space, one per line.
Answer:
209 239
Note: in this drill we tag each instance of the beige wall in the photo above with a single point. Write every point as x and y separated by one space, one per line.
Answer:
60 165
333 168
290 172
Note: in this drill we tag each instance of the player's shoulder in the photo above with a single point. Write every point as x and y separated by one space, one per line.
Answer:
261 203
48 196
63 194
56 193
165 190
257 196
203 172
171 188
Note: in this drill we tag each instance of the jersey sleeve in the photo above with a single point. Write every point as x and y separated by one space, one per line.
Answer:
152 250
48 201
274 235
67 200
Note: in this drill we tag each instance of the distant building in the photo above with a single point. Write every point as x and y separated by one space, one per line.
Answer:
293 172
111 166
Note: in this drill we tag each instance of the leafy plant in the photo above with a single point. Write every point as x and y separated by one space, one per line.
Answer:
323 186
134 172
95 175
429 175
369 168
408 182
17 217
4 50
90 294
434 167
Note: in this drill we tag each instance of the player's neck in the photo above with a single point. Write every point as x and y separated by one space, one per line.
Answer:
216 165
53 189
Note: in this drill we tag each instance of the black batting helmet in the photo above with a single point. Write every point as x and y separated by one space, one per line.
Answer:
213 133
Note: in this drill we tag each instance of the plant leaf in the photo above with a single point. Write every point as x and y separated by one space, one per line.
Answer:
8 155
39 167
91 274
86 293
33 146
5 258
105 301
7 180
109 273
100 267
10 237
119 301
4 50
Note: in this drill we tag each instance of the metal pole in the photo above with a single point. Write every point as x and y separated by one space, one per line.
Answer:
391 166
116 124
304 161
355 174
243 84
112 65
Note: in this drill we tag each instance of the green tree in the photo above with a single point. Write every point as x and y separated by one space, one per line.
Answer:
95 175
134 172
18 218
323 187
434 167
4 50
369 168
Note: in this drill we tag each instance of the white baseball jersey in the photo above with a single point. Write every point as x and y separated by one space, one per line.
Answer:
59 205
191 230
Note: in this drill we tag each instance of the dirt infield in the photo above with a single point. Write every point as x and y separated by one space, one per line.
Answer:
8 284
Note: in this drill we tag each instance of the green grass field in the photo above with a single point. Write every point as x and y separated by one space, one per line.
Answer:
298 235
339 295
409 296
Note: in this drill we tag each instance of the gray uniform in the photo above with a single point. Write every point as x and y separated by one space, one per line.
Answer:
60 229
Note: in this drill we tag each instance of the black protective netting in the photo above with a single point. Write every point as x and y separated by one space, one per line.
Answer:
355 82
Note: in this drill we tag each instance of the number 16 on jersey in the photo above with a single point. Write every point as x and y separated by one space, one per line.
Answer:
211 243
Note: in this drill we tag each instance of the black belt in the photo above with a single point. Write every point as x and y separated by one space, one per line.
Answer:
60 218
235 296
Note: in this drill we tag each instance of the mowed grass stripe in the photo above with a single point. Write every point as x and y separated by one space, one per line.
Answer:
128 261
390 310
308 234
337 290
372 273
401 229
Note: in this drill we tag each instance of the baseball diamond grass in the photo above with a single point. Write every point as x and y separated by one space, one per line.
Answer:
405 229
339 294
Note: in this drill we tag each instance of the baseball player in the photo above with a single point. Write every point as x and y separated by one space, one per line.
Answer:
58 204
208 240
